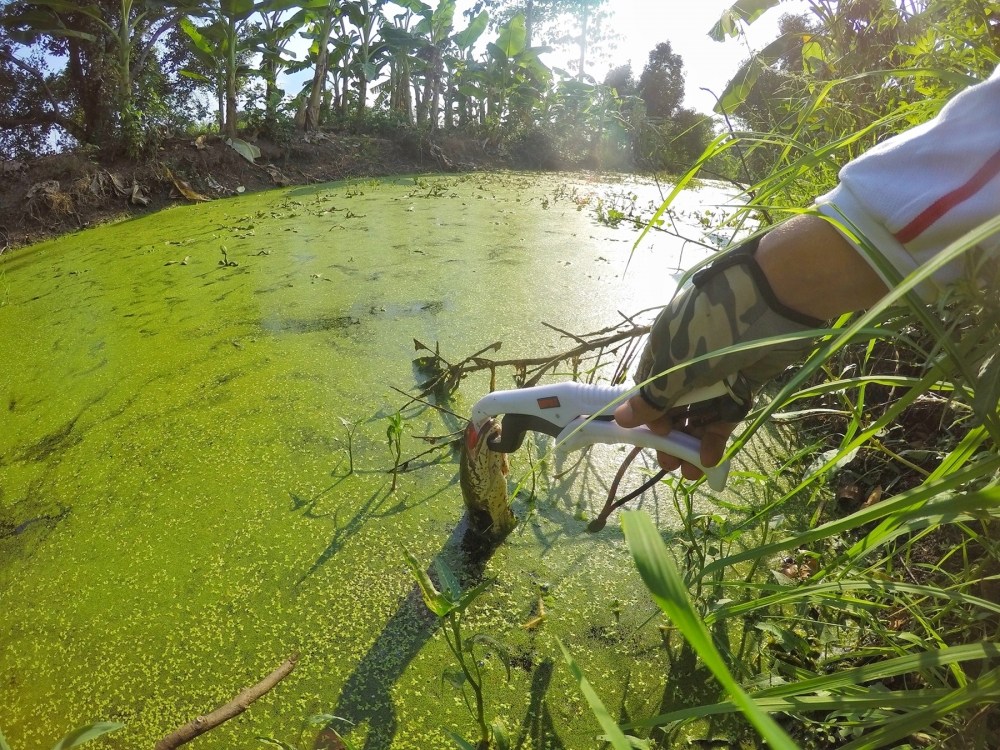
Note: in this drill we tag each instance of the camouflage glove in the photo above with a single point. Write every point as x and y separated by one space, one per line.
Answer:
729 302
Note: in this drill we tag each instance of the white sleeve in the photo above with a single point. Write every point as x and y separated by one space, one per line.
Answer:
913 194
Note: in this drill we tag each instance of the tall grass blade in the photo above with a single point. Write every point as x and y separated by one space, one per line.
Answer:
661 577
86 734
613 733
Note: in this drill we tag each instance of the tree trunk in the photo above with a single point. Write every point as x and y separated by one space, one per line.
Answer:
230 123
435 86
311 118
529 22
584 23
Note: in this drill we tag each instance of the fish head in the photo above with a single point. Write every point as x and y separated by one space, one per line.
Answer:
483 477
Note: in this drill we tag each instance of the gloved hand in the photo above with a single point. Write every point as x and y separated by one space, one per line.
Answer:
729 302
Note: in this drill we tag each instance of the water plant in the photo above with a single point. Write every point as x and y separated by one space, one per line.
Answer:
394 436
350 428
77 737
449 606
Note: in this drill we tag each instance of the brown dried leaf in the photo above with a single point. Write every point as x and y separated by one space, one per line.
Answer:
185 189
874 496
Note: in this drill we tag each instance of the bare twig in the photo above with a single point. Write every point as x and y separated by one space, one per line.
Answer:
225 712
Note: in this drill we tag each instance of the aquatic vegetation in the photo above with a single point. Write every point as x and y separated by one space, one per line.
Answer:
394 436
188 420
449 606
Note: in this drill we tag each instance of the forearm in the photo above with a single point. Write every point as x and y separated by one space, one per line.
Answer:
815 271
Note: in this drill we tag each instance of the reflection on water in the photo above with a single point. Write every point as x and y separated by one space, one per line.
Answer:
177 512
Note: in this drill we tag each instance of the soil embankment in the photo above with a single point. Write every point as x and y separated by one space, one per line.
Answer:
60 193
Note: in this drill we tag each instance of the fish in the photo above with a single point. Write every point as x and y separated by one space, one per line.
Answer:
483 477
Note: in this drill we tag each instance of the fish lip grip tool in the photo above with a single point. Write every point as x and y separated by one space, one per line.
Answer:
579 415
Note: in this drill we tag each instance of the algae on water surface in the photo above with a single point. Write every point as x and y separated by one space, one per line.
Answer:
172 396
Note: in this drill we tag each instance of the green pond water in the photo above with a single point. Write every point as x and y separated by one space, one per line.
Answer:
176 512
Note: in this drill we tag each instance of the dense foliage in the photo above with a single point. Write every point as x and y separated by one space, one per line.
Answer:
864 588
118 75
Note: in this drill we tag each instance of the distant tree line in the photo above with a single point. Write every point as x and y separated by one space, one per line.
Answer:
120 74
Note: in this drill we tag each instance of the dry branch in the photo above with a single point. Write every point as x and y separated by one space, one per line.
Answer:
528 370
227 711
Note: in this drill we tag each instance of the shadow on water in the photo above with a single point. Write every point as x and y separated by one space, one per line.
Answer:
537 729
372 509
690 684
366 698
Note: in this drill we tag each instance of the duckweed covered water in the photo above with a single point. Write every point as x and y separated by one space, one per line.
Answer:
176 512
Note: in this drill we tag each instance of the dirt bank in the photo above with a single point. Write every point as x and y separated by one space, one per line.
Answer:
61 193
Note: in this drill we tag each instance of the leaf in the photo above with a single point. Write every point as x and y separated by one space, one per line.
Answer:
448 579
469 36
813 57
745 11
500 735
442 21
247 150
3 742
237 10
462 743
741 84
319 720
200 41
659 572
455 677
436 602
614 733
513 37
987 396
472 594
185 189
276 743
195 76
86 734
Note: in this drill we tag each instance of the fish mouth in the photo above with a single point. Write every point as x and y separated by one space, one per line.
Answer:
475 436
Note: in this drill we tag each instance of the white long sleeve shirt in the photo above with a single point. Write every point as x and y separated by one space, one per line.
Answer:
913 194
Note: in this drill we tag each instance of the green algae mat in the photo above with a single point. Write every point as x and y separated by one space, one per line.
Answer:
181 395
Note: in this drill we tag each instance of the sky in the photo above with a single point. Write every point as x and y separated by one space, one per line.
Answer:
685 24
642 24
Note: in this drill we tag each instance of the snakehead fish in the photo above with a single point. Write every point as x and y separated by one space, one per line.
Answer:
483 476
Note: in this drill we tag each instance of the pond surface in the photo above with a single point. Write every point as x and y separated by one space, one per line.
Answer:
177 514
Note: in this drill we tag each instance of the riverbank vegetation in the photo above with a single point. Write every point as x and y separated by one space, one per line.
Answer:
864 593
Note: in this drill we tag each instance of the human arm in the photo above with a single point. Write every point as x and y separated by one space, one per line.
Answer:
895 208
811 269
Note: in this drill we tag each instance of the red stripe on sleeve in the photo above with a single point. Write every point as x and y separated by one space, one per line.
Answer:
948 201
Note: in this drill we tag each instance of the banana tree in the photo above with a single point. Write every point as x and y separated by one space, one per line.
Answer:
320 27
271 41
463 64
364 14
223 37
400 45
517 76
436 30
